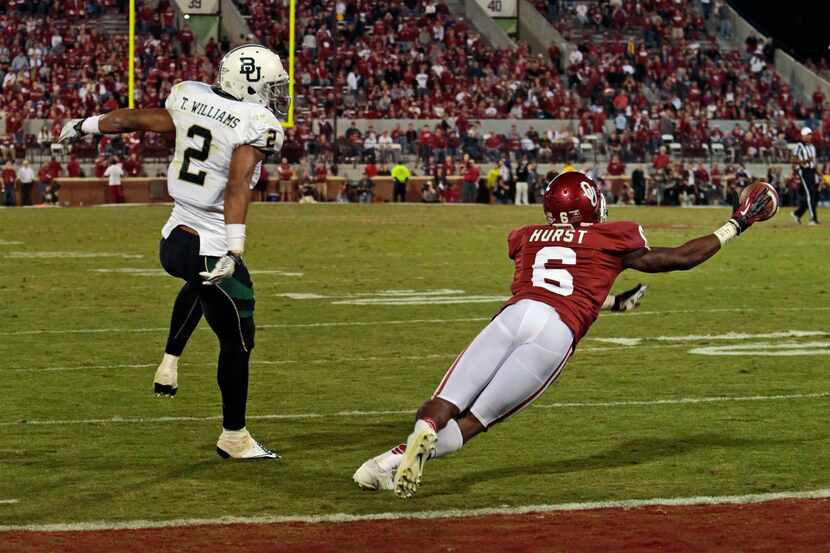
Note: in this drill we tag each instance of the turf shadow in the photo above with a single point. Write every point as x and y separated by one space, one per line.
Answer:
627 453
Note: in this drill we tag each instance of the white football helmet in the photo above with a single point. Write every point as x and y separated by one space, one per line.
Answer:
253 73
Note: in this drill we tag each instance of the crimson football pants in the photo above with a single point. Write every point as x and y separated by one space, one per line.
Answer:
228 309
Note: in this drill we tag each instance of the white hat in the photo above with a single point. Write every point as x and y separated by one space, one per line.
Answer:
806 131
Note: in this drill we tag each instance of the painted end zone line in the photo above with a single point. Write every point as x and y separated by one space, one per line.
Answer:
426 515
357 413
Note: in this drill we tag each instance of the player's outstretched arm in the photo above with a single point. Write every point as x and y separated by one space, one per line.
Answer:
119 121
757 206
662 260
237 197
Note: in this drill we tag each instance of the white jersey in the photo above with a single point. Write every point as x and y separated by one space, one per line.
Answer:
209 127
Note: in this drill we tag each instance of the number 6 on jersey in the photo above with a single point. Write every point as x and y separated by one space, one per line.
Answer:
545 277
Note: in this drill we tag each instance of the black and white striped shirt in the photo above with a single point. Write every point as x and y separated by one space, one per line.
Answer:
806 155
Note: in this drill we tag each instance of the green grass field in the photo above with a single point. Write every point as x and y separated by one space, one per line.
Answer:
104 318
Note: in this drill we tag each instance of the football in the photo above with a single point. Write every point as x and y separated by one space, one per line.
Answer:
761 187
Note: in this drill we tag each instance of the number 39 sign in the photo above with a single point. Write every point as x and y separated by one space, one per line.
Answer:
204 7
499 8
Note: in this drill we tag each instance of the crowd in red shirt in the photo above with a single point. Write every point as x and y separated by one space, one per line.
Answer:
656 66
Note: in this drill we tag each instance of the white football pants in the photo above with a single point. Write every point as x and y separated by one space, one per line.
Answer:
510 363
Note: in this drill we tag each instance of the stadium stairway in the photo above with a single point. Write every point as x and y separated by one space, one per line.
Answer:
456 7
113 23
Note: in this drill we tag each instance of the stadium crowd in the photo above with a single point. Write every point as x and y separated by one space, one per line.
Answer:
645 82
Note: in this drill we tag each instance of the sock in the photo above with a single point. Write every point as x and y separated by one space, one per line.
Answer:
170 361
390 460
232 376
187 312
424 424
450 440
235 434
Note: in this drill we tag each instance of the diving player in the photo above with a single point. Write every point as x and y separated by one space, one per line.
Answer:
563 272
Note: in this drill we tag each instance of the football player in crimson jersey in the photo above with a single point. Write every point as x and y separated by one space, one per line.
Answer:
564 271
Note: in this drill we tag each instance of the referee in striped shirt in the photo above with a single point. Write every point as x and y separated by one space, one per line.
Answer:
804 157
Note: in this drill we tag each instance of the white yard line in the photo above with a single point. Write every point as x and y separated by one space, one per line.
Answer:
278 325
323 361
358 413
396 322
8 501
425 515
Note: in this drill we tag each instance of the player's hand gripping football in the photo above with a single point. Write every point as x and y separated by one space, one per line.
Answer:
71 131
223 270
758 202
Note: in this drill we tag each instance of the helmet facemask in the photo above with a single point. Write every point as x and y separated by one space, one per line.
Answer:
602 208
276 97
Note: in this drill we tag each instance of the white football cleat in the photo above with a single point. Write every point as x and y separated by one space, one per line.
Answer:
419 447
165 383
240 445
371 476
796 218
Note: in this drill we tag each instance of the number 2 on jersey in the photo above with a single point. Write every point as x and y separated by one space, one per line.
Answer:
544 277
195 153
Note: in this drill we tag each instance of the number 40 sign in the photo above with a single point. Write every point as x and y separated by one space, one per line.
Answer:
499 8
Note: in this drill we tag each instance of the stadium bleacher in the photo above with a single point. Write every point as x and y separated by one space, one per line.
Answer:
641 76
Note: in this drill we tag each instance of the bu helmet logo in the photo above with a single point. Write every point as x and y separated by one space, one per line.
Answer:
249 68
590 192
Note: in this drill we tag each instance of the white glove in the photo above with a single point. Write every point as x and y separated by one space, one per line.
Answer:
223 270
71 131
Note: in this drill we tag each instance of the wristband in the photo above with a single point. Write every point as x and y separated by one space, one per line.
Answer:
235 235
90 125
727 232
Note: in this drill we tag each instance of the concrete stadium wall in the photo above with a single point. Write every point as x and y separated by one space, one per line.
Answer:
502 126
538 33
487 26
234 25
802 80
799 76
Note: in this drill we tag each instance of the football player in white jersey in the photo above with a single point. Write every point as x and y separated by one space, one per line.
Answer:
223 133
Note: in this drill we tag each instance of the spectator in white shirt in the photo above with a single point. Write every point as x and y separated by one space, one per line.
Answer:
422 79
385 146
115 171
26 176
353 81
369 145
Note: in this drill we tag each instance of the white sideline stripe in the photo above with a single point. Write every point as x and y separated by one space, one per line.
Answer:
339 518
399 322
358 413
8 501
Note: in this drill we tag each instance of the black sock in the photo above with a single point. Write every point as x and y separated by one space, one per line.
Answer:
232 376
187 312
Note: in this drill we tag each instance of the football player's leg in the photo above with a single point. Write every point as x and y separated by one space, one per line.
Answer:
467 377
525 374
187 311
228 308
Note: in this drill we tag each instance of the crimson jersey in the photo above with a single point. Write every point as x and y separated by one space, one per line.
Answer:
571 268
